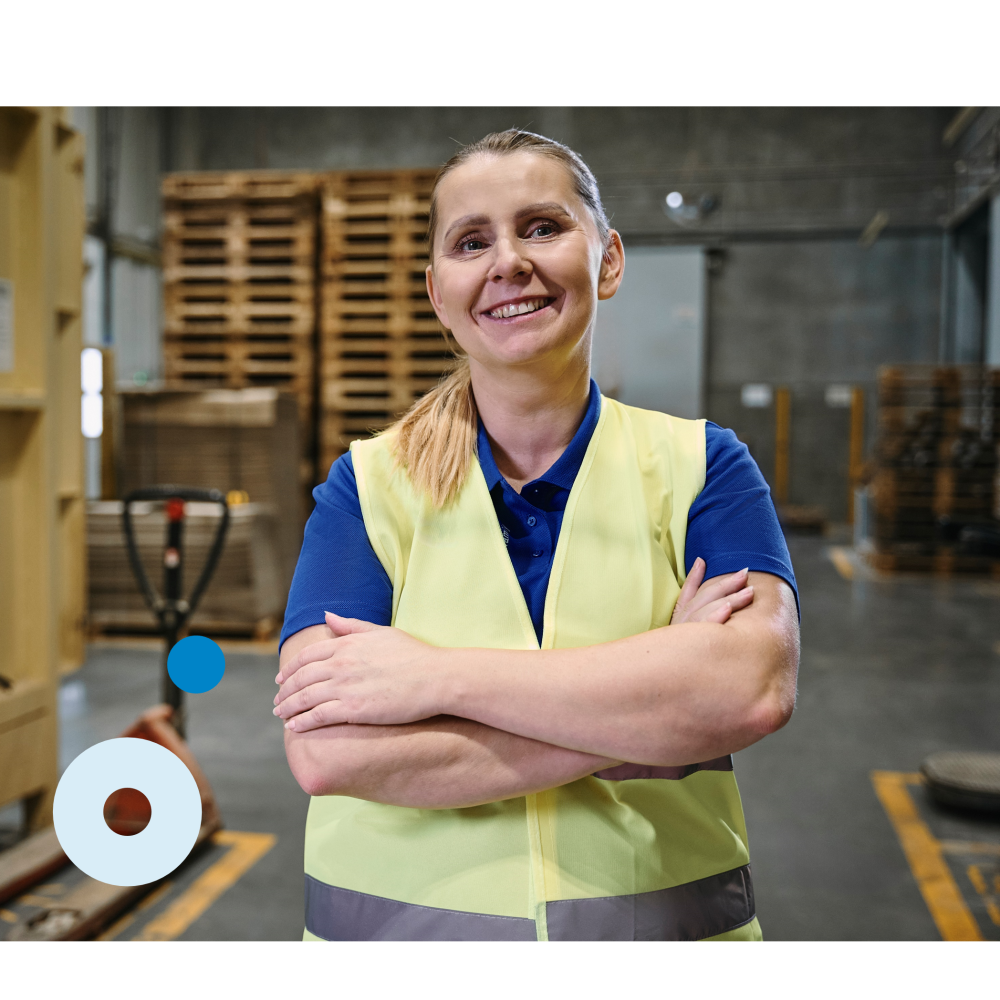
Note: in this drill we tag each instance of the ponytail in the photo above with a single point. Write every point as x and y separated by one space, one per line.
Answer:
436 437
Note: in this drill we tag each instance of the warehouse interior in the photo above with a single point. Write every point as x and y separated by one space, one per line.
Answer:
245 289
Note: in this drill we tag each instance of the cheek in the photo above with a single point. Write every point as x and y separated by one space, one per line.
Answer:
458 290
575 269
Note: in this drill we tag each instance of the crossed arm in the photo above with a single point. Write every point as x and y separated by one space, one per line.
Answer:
374 713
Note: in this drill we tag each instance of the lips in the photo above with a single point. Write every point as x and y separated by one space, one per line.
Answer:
510 309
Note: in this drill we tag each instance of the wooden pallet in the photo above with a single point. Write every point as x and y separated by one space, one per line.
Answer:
184 295
243 319
240 282
238 184
940 563
221 219
239 360
363 395
385 359
381 345
935 457
338 430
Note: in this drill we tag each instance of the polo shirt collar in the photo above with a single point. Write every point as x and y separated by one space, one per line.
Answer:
562 473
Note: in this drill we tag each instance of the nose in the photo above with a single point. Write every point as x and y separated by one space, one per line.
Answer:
509 261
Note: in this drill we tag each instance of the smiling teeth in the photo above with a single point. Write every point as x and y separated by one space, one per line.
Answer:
518 308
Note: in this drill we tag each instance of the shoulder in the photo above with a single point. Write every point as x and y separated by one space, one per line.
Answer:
381 479
663 441
656 427
728 461
340 488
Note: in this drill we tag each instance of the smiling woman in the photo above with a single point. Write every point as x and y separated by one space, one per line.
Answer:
530 625
571 244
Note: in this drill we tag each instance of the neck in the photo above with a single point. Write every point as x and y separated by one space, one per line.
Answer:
529 416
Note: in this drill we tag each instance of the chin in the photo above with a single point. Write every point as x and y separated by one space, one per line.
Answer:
521 347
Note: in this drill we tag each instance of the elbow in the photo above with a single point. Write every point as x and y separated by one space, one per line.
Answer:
773 708
769 714
313 776
312 782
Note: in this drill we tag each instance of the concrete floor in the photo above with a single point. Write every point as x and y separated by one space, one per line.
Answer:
891 670
238 743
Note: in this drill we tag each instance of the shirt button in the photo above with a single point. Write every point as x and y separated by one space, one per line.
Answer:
536 553
531 521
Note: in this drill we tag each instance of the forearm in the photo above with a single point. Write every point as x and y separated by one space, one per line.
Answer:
440 763
672 696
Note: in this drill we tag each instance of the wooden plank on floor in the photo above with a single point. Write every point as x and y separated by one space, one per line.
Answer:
29 862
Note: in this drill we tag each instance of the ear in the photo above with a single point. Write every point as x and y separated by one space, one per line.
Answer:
434 294
612 267
346 626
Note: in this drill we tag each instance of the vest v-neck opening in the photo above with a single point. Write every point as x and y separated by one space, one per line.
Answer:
531 520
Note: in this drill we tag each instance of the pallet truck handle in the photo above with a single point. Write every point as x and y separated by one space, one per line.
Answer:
156 603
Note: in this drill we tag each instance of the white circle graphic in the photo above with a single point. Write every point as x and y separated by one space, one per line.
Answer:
174 799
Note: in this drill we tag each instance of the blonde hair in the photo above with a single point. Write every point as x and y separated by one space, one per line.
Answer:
436 437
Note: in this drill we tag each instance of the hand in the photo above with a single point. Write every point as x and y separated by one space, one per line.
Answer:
366 673
714 601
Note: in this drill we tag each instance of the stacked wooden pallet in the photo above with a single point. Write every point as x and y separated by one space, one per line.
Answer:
936 464
226 439
239 253
246 594
381 346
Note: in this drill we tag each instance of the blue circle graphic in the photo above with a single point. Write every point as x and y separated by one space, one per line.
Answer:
196 664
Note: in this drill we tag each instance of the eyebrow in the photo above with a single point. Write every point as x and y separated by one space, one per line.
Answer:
539 208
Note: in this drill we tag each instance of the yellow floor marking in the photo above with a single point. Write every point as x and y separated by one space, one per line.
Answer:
923 851
969 847
116 928
126 921
842 561
976 878
245 850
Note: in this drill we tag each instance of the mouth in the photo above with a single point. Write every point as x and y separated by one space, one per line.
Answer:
509 310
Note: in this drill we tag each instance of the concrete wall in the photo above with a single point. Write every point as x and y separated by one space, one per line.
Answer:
807 315
793 299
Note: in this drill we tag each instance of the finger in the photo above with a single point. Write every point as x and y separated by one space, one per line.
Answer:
330 713
710 592
732 603
692 583
345 626
311 673
306 699
720 615
322 650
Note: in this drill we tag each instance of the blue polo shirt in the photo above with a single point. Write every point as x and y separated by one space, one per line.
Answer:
731 524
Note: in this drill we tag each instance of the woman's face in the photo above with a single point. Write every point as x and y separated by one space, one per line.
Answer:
518 264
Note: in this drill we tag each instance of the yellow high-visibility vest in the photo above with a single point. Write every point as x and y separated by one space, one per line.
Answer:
632 853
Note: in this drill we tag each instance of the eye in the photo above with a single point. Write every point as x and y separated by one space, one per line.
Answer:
545 229
472 245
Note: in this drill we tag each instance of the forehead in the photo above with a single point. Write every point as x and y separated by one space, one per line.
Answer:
497 185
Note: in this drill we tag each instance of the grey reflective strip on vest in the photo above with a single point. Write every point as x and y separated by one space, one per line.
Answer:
626 772
687 912
344 915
